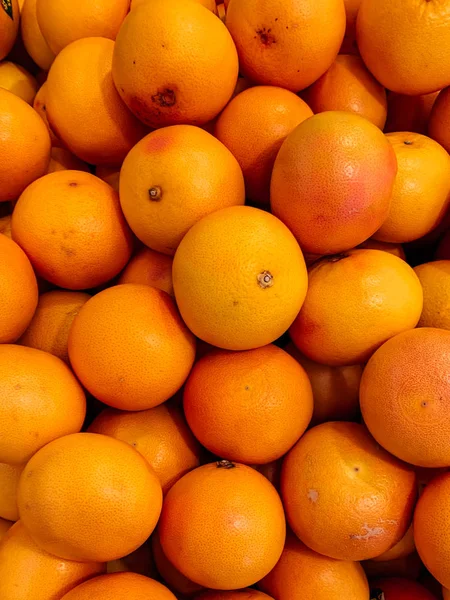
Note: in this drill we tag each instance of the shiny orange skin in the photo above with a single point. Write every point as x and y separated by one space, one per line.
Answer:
41 401
33 40
435 280
18 290
149 267
9 27
403 396
130 348
226 506
27 572
253 126
332 181
286 43
245 594
440 119
344 496
396 588
9 479
409 113
117 586
83 241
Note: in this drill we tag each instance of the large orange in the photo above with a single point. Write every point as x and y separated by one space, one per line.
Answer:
106 503
9 26
406 43
344 496
160 434
440 119
18 80
18 290
245 594
9 479
421 193
83 241
210 4
24 145
286 43
435 280
184 72
302 574
33 40
239 278
332 181
409 113
250 406
404 396
253 126
117 586
27 572
223 526
397 588
376 292
41 401
130 348
174 177
149 268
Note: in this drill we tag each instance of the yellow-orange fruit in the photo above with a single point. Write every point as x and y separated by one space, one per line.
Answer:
18 80
395 249
9 26
210 4
409 113
245 594
435 280
40 106
63 160
9 479
149 267
116 586
33 40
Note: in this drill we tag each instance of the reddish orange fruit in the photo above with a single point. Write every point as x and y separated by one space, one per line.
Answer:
396 588
9 26
116 586
149 267
245 594
435 280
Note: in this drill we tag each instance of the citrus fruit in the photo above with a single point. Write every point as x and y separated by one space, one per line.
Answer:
397 588
395 249
9 479
4 527
210 4
409 567
117 586
139 561
18 80
409 113
34 41
245 594
440 119
63 160
404 547
149 267
435 280
40 106
349 45
9 26
5 226
109 174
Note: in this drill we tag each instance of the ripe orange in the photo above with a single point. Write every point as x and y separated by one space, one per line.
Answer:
332 181
34 41
9 479
24 145
302 574
120 489
18 80
251 406
395 38
403 396
239 278
395 249
245 594
223 526
174 177
9 26
117 586
184 72
83 241
149 267
404 547
397 588
27 572
63 160
435 280
440 119
349 86
344 496
409 113
253 126
40 106
210 4
109 174
160 434
286 43
18 290
130 348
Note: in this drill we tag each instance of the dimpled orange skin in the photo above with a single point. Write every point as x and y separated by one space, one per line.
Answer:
253 126
41 401
409 113
376 295
9 28
160 434
332 181
302 574
190 174
239 278
223 526
245 594
9 479
435 280
289 44
406 410
130 348
33 40
185 72
149 267
82 98
83 241
24 145
18 290
106 503
344 496
116 586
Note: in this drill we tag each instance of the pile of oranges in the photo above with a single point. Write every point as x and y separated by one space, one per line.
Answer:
225 300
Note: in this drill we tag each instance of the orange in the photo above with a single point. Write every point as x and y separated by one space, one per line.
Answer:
130 348
395 249
18 80
27 572
223 526
174 177
4 527
344 496
271 471
404 547
239 278
349 45
440 119
120 489
253 126
221 11
406 43
185 72
404 391
109 174
49 328
210 4
82 99
117 586
9 479
63 160
250 406
63 21
149 267
349 86
302 574
9 25
335 389
409 113
446 593
286 43
18 290
421 193
83 241
24 145
332 181
40 106
377 293
435 280
160 434
5 225
245 594
34 41
396 588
